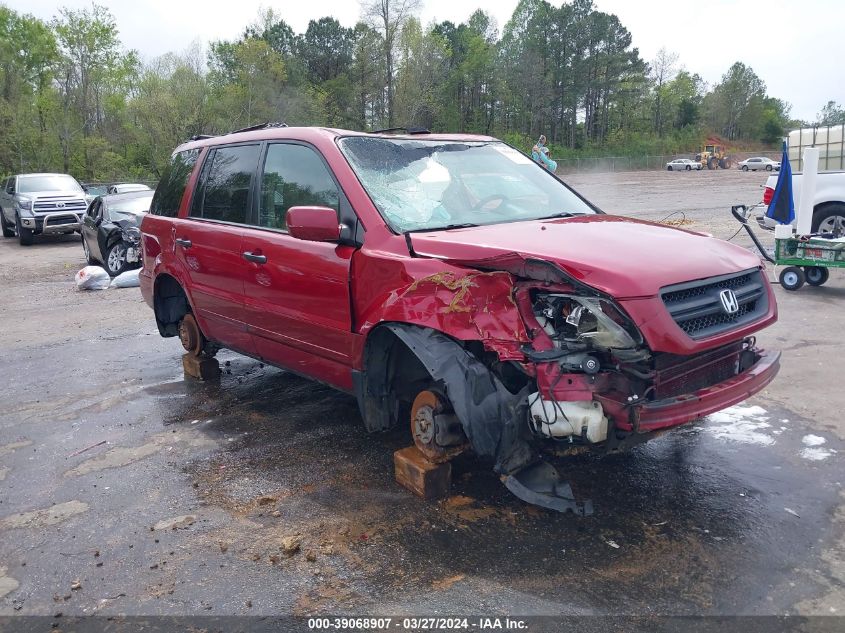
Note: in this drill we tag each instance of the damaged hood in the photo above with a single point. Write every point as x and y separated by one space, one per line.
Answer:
620 256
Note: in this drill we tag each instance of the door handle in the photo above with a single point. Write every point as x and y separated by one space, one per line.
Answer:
184 242
252 257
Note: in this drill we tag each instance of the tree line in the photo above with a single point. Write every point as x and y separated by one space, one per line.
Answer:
73 99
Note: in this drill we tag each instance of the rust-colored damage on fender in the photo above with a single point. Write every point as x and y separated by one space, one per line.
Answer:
471 305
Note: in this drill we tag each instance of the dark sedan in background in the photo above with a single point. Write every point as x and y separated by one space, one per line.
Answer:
110 235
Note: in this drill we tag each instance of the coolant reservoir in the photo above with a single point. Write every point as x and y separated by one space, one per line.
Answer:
564 419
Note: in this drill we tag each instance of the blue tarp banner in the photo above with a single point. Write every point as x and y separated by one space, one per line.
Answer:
782 206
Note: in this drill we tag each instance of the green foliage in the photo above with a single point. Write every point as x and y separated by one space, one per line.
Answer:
831 114
72 99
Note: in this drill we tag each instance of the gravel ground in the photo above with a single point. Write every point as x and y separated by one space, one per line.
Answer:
126 489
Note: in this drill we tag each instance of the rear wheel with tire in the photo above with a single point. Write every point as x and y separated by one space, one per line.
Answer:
116 259
816 275
830 219
791 278
25 237
689 168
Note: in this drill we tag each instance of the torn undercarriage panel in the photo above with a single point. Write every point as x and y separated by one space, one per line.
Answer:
492 417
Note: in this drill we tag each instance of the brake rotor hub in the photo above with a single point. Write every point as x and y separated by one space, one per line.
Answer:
436 432
190 335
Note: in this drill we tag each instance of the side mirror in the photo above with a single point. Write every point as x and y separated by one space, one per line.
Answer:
315 224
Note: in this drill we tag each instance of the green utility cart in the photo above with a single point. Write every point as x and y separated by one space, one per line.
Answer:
807 259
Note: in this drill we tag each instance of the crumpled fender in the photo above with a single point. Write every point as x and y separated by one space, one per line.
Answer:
469 304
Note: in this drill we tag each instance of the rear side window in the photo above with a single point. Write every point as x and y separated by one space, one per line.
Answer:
293 176
171 187
224 189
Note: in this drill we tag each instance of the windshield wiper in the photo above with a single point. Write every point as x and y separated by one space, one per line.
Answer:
562 214
463 225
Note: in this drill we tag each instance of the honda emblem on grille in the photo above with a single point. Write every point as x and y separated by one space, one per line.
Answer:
729 302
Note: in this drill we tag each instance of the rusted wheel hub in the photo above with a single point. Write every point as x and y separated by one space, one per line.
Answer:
190 335
430 423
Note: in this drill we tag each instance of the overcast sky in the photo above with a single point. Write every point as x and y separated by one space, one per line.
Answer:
793 46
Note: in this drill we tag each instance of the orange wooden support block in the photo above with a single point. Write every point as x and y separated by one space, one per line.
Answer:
420 476
201 367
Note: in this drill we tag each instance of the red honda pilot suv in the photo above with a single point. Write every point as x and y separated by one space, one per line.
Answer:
452 284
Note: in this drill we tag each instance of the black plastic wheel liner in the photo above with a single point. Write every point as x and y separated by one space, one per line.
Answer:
492 417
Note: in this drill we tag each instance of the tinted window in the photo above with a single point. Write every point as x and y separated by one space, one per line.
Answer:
47 182
225 183
168 195
294 175
93 207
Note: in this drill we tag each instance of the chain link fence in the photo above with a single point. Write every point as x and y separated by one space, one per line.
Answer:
105 184
641 163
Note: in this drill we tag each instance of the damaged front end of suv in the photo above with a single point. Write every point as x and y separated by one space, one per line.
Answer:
519 319
525 362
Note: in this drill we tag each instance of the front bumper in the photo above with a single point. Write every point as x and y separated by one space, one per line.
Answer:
652 416
57 222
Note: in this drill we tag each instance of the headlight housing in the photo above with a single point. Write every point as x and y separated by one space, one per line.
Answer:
25 204
577 322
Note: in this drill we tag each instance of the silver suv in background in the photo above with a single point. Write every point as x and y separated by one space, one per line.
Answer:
36 204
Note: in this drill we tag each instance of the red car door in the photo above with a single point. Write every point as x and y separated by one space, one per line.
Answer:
297 292
208 243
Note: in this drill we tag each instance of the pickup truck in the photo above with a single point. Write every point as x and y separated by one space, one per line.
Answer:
38 204
828 201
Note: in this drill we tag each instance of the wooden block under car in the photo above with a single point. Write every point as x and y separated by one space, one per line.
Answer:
420 476
201 367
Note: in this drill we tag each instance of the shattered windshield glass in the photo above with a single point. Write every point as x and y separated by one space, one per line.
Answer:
130 209
421 185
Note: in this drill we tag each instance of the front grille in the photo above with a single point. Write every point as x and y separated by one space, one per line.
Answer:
697 309
679 375
54 204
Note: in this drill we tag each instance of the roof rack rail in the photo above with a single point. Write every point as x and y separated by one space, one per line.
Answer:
259 126
251 128
408 130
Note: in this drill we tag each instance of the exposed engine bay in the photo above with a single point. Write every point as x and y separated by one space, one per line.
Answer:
589 334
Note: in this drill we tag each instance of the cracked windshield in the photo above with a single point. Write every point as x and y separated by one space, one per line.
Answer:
429 185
